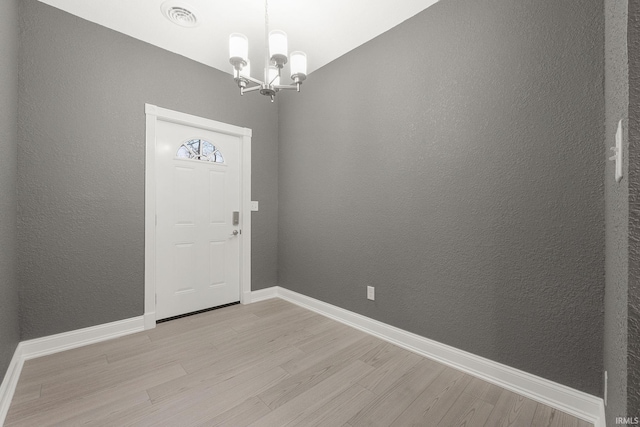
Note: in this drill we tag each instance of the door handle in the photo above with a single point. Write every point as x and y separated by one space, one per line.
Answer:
234 233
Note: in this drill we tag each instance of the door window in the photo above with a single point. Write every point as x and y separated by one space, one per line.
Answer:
199 149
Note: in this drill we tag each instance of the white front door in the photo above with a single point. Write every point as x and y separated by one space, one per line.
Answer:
197 241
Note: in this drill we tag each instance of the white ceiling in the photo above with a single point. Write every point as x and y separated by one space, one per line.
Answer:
323 29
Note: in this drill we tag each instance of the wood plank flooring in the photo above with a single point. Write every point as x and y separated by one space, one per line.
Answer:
269 364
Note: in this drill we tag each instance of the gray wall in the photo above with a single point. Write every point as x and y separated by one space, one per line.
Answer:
616 210
456 164
9 327
81 165
633 362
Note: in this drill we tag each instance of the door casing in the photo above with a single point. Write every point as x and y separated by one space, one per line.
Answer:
153 115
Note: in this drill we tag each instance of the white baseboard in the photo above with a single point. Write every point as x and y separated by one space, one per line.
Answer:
80 337
264 294
8 386
577 403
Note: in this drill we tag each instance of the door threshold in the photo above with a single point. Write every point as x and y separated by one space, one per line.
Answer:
179 316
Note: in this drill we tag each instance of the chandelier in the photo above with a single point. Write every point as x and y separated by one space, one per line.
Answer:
275 58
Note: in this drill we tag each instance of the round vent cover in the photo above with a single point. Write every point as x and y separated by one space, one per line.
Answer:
180 14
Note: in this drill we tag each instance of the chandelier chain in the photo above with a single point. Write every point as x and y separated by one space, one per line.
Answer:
266 40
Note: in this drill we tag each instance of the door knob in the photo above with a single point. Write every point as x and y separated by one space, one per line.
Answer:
235 232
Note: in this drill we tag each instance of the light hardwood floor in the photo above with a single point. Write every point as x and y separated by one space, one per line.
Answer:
266 364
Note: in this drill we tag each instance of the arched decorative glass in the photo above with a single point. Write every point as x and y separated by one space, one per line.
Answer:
199 149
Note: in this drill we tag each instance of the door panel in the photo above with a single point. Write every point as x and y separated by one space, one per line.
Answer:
184 194
198 262
217 206
217 264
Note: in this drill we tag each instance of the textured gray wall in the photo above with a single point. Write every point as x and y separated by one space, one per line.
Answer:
9 327
456 164
616 210
81 165
633 361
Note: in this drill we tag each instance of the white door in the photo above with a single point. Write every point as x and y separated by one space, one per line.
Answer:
197 242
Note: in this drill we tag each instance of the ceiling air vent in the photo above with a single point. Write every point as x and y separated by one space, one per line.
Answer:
180 14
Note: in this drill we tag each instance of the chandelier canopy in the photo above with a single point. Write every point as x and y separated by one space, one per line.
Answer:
276 56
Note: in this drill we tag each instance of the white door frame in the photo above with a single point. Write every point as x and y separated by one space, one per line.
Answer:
154 114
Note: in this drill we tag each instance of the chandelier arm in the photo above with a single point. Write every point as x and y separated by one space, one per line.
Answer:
252 80
252 89
285 87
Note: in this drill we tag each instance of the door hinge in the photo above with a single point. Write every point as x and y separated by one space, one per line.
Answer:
156 220
156 299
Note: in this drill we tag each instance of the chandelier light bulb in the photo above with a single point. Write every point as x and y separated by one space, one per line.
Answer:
298 65
238 50
278 47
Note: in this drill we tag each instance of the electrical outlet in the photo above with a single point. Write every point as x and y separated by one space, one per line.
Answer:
605 387
371 293
254 206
